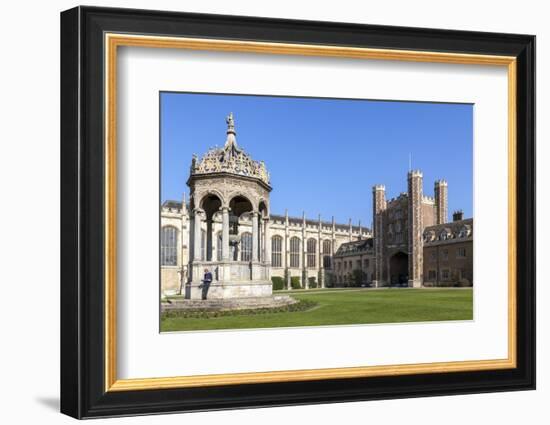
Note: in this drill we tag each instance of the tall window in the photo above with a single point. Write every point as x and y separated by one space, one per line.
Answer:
276 251
246 246
311 252
295 252
461 252
327 253
203 245
219 246
168 246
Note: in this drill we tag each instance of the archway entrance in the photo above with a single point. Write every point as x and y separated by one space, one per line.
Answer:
399 269
211 205
240 244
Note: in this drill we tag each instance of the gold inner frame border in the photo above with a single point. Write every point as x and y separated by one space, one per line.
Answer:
113 40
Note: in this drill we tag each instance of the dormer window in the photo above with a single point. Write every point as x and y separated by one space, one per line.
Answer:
464 232
445 234
429 236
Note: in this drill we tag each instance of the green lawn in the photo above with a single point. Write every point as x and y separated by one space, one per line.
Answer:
345 307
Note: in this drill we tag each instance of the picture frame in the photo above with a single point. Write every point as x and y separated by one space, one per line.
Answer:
90 39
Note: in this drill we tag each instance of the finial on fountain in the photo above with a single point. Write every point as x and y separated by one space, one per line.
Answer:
230 123
231 140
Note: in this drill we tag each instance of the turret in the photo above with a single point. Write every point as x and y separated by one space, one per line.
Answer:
416 227
440 193
378 208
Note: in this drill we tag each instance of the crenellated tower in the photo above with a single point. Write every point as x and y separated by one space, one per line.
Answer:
416 227
440 193
378 209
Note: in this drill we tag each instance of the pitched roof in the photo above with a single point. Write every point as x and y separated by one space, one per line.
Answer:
355 247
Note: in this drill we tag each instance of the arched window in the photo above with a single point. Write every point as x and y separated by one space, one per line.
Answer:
311 252
246 246
276 251
168 246
203 245
295 252
327 254
219 246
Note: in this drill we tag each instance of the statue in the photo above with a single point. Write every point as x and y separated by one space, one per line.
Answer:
230 122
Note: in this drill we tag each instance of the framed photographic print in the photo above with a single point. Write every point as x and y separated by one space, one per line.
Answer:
261 212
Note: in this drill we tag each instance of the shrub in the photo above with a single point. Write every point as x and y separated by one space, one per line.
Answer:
329 280
295 282
278 283
301 305
463 283
358 278
312 282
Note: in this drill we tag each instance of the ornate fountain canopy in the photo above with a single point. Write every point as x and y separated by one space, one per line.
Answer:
229 159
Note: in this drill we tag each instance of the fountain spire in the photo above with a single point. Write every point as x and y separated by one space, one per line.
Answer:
231 139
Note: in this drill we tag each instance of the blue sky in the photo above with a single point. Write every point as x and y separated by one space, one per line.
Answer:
324 155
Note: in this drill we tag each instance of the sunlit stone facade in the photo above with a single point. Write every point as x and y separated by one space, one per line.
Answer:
226 226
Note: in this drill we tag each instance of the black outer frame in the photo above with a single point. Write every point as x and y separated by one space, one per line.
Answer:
82 204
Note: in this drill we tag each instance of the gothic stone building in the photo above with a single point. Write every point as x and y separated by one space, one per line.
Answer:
413 244
227 227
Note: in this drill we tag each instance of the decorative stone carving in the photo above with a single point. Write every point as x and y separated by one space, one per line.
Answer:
230 159
227 173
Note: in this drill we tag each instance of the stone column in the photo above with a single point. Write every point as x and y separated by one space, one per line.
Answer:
267 242
305 283
267 249
320 257
287 253
255 237
225 233
197 236
209 248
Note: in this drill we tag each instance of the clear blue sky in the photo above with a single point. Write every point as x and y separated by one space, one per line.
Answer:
324 155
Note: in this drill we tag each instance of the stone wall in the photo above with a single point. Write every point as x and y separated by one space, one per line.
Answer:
278 225
444 264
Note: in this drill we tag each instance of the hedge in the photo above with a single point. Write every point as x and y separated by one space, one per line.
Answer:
278 283
295 282
312 282
301 305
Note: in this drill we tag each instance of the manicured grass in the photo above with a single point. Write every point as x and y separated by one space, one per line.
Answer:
345 307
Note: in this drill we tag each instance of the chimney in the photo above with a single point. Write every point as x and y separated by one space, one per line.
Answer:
458 215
